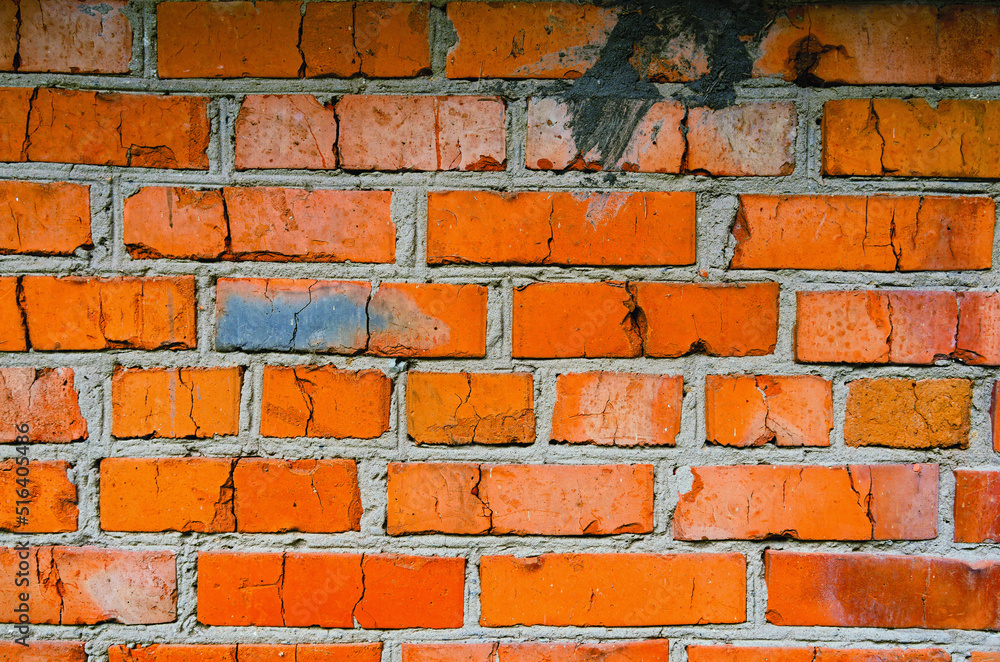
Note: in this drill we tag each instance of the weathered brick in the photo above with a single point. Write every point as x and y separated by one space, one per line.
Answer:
175 403
753 410
881 591
13 337
746 139
464 408
78 313
651 650
427 320
888 44
285 131
908 138
976 656
15 107
527 40
752 654
52 497
324 402
228 40
44 219
65 36
89 585
43 399
217 495
977 341
330 590
977 506
173 653
247 653
555 500
869 233
163 221
533 227
109 129
908 413
421 133
860 502
617 409
613 589
374 39
43 651
995 416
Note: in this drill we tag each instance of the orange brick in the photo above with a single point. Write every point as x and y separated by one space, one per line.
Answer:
88 585
330 590
555 500
617 409
162 221
529 227
15 106
463 408
978 339
995 417
882 591
285 131
228 40
984 657
869 233
173 653
321 401
13 337
908 138
427 320
527 40
748 654
73 37
43 651
374 39
889 44
860 502
612 590
43 399
652 650
8 26
44 219
977 506
751 139
52 497
421 133
175 402
105 128
907 413
749 410
247 653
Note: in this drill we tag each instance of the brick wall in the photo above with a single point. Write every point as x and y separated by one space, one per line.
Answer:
507 332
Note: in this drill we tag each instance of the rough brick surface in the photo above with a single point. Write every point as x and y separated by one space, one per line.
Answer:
792 654
247 653
45 400
43 651
51 497
907 413
977 506
520 499
285 131
652 650
882 591
861 502
44 219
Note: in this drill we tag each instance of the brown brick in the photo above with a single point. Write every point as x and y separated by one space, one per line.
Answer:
907 413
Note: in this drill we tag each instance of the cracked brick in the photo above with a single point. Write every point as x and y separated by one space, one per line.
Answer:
43 651
908 413
652 650
65 36
748 410
44 219
53 498
286 131
794 654
46 400
366 652
977 506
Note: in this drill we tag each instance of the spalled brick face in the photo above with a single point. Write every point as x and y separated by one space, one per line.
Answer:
384 331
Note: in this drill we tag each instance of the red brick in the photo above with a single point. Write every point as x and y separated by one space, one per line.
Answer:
617 409
863 233
222 495
421 133
374 39
8 27
748 654
890 44
108 128
978 338
527 40
175 402
43 651
651 650
553 500
173 653
613 589
44 219
52 497
89 585
749 410
908 138
228 40
464 408
882 591
43 399
746 139
13 337
285 131
163 221
907 413
323 402
330 590
995 417
860 502
427 320
74 37
247 653
984 657
78 313
530 227
977 506
15 107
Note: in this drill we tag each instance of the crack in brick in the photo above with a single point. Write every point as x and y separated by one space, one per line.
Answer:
357 605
